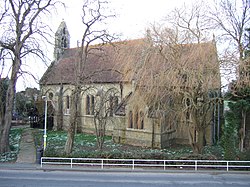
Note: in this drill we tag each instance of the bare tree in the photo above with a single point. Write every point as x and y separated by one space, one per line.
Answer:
232 18
200 69
179 72
93 18
192 22
107 101
23 25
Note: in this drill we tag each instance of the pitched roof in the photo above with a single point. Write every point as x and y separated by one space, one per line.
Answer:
105 64
121 62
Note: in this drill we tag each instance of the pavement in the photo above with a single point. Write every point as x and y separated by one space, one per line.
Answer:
27 150
26 158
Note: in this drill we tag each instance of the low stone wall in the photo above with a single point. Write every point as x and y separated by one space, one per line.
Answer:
136 137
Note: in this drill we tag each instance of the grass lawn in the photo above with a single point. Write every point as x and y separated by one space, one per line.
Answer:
85 146
15 136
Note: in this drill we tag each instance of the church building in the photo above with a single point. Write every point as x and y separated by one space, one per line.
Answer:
111 71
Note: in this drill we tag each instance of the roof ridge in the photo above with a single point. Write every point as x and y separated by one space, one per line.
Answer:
115 42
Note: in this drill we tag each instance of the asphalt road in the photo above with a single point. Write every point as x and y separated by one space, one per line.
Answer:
40 178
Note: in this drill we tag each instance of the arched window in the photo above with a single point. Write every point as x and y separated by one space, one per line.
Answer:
67 104
87 105
67 101
136 119
141 124
64 42
130 119
90 105
113 104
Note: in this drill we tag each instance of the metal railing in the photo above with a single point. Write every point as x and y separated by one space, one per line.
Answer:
147 164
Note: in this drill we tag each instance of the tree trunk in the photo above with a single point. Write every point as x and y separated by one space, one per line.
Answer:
70 139
201 140
243 134
100 132
60 110
70 136
4 141
10 96
153 134
73 122
199 144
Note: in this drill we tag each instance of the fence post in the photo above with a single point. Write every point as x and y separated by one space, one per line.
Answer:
164 164
41 162
195 165
102 164
71 160
227 166
133 166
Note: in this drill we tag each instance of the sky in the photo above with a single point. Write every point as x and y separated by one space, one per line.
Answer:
132 19
132 16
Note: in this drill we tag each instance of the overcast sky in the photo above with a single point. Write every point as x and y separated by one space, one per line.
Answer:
132 19
132 16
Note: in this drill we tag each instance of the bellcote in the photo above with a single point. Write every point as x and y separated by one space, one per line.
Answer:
62 40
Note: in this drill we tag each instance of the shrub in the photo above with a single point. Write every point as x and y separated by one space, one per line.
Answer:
230 132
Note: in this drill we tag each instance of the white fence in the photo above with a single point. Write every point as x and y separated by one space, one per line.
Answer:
147 164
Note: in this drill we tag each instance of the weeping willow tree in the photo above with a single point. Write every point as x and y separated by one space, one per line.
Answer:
178 71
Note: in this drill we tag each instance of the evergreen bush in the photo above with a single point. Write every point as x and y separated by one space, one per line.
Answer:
230 132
